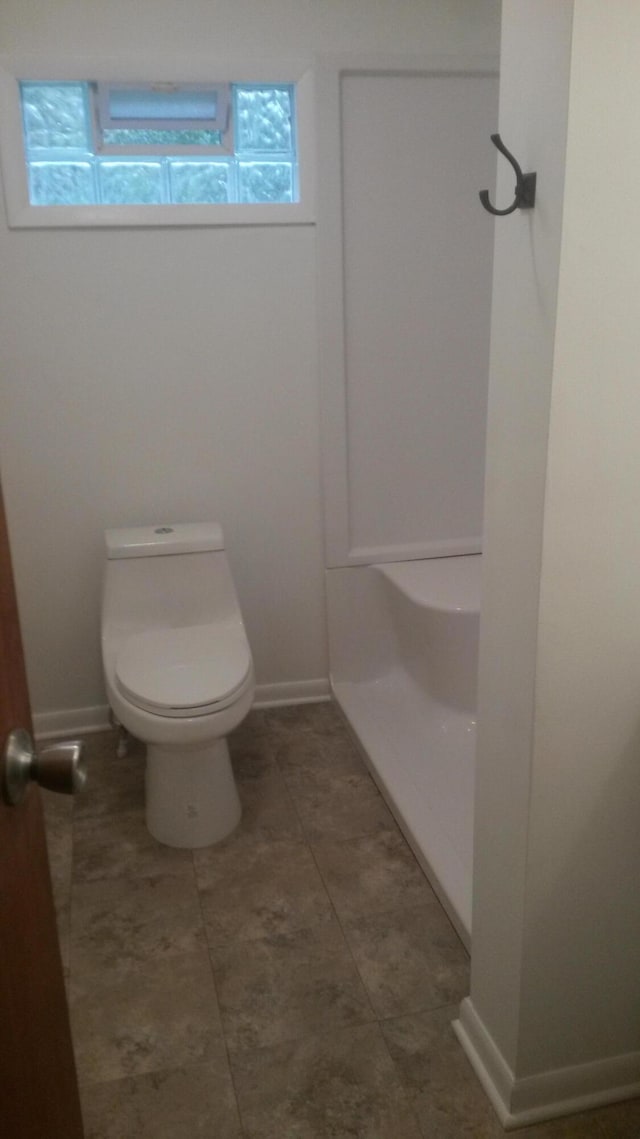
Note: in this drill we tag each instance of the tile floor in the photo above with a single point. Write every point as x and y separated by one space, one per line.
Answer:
295 982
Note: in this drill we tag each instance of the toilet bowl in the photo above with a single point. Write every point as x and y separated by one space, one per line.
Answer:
178 672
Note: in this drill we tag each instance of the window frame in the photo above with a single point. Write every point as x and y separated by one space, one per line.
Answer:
101 119
22 215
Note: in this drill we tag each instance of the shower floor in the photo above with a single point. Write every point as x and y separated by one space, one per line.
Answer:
297 981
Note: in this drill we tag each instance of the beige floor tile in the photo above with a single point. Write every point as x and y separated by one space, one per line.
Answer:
58 820
307 1060
58 809
338 1086
287 987
445 1092
320 721
183 1103
119 923
251 762
152 1018
371 874
119 846
309 737
252 889
314 752
63 924
586 1125
102 745
267 809
442 1087
113 784
336 806
252 732
409 960
619 1121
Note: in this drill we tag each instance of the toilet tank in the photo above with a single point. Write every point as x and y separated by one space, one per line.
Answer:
168 576
158 541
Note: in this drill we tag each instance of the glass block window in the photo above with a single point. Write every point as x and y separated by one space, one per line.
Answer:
72 160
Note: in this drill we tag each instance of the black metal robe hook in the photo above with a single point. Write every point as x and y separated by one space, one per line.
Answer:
525 185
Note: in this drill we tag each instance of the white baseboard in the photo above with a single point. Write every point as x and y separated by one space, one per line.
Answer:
292 692
548 1095
71 722
78 721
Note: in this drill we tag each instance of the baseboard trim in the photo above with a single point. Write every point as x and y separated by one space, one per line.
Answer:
292 692
79 721
548 1095
487 1061
71 722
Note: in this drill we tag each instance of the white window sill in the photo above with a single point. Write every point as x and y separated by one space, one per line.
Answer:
74 217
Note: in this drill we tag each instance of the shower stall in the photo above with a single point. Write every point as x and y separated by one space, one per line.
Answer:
405 255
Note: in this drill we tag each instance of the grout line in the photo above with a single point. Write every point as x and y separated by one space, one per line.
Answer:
215 989
426 1011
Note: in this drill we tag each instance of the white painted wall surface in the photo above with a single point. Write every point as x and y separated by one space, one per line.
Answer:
261 27
555 998
172 374
535 53
583 901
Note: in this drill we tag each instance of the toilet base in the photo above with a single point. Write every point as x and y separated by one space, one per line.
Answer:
191 796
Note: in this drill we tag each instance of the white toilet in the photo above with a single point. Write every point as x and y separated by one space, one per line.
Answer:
178 672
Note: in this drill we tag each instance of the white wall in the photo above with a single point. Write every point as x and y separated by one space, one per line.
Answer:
535 54
552 1024
585 810
261 27
172 374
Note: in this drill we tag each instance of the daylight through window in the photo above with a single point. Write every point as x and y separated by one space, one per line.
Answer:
159 144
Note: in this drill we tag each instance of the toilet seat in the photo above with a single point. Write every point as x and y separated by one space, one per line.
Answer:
188 671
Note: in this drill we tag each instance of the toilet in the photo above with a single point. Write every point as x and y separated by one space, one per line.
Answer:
178 671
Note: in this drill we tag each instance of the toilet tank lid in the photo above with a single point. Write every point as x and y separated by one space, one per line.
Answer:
170 538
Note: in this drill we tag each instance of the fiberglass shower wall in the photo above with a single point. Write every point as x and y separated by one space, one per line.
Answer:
405 253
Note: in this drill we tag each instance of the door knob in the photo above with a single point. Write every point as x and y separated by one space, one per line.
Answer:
58 767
